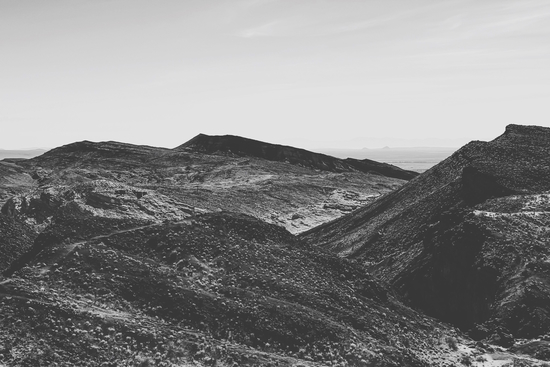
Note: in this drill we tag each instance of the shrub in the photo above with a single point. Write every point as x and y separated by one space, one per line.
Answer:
451 342
466 360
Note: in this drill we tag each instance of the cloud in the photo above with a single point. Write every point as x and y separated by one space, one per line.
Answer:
265 30
486 23
453 22
254 3
357 26
513 23
370 23
301 26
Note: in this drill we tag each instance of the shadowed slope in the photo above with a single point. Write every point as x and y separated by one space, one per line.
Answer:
15 239
429 239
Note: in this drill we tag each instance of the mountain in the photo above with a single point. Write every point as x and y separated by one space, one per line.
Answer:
295 195
214 289
467 241
20 153
13 180
239 146
117 254
16 238
82 152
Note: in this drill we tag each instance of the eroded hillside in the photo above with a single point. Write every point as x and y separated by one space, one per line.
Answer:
116 254
293 195
467 241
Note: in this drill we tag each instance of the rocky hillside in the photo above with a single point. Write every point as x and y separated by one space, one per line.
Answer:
16 238
467 241
213 289
282 193
13 179
239 146
116 254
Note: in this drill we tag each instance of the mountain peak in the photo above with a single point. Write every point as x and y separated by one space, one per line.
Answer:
240 146
525 129
225 143
525 135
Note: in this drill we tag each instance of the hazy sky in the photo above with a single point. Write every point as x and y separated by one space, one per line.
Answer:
285 71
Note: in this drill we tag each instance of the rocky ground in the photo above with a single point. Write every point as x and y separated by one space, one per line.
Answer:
114 254
216 288
118 254
467 241
13 180
295 196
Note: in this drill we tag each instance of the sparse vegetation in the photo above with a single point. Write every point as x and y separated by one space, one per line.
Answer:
466 360
451 342
467 221
123 258
223 289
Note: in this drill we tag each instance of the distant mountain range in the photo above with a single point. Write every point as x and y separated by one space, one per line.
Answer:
20 153
380 142
410 158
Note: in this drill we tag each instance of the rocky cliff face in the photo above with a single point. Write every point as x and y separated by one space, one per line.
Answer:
457 240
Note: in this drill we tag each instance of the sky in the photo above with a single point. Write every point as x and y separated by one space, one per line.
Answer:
309 73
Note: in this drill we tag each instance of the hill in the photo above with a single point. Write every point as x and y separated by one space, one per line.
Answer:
15 239
13 180
213 289
293 195
236 145
118 254
467 241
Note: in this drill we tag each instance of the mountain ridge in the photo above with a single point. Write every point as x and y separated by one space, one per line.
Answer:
444 239
297 196
120 253
231 144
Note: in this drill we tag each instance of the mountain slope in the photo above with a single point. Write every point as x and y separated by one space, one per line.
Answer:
15 239
13 179
457 240
240 146
133 264
297 197
219 288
